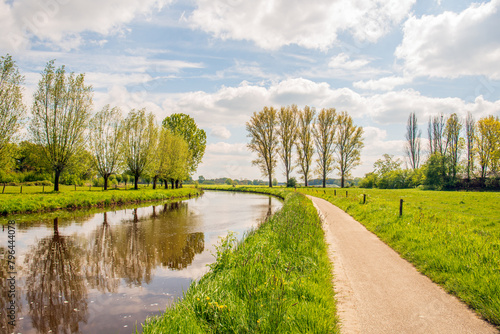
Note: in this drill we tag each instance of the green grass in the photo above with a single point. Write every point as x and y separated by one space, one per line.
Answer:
50 201
278 280
62 188
451 237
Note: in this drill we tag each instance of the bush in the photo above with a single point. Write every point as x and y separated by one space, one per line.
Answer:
292 183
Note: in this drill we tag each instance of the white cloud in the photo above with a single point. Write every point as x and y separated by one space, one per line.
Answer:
453 44
272 24
220 131
59 22
382 84
342 61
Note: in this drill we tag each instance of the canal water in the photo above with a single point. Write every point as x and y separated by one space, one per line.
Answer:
106 272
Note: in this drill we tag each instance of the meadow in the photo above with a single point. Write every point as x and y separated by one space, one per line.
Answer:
278 280
34 201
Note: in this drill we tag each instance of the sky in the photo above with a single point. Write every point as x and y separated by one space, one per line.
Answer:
221 60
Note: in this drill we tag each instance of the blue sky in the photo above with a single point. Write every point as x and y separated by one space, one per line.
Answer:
221 60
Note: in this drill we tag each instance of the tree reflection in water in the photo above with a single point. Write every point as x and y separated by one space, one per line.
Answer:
61 268
56 291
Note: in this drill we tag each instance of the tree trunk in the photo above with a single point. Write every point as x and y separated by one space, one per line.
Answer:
172 182
305 180
154 181
176 184
166 183
3 190
106 177
342 181
56 180
136 182
270 181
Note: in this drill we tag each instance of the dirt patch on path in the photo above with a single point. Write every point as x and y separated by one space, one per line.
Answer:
379 292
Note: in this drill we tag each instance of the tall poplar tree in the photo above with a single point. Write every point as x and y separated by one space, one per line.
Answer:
305 141
349 143
287 134
264 140
324 137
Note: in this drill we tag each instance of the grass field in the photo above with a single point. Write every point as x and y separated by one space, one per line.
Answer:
278 280
62 188
37 202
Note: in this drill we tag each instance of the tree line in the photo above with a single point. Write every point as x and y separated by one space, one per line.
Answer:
460 154
65 135
295 137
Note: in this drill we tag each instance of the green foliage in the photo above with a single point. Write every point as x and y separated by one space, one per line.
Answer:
12 108
60 114
185 126
278 280
292 183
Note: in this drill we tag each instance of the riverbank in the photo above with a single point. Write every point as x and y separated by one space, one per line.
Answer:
46 202
278 280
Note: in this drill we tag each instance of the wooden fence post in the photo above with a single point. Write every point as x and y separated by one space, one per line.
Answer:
400 207
21 189
346 194
364 198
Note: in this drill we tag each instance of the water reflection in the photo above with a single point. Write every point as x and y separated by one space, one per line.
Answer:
76 275
56 292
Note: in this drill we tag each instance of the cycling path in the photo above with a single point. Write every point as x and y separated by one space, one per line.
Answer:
379 292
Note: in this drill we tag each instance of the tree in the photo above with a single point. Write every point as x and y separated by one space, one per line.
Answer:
435 132
487 140
177 160
12 108
469 134
305 141
104 141
264 140
412 147
452 134
139 142
60 114
287 134
349 144
196 139
386 165
324 137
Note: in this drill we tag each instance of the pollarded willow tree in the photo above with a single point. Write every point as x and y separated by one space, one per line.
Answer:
324 137
12 108
138 143
264 140
349 142
287 134
60 115
305 141
105 141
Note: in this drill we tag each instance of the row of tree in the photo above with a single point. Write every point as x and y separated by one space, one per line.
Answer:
61 126
295 136
460 153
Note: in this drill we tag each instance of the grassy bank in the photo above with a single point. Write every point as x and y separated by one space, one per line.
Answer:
451 237
278 280
45 202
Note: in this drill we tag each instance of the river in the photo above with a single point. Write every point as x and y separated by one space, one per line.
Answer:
106 272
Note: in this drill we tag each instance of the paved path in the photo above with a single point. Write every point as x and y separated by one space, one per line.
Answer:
379 292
